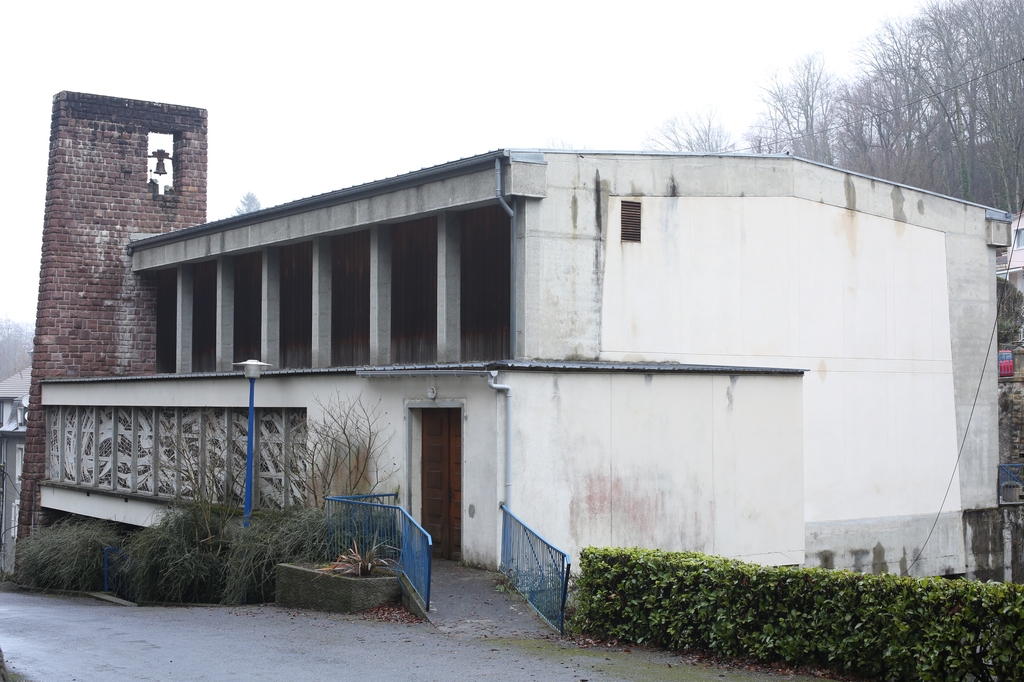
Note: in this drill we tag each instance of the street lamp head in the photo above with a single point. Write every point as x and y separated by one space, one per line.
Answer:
252 368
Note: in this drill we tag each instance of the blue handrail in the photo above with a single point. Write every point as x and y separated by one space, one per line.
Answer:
1011 483
388 528
536 568
379 498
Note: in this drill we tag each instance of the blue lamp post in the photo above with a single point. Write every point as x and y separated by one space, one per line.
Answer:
251 369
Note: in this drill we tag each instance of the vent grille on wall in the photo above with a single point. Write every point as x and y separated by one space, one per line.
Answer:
630 221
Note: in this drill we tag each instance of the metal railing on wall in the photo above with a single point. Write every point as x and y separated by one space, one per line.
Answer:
1011 484
365 523
368 523
536 568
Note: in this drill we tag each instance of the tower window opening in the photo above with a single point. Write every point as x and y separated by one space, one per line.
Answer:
160 163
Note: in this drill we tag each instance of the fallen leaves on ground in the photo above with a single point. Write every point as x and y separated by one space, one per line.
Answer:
390 613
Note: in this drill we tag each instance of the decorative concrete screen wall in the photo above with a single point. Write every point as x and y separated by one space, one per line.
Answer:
177 452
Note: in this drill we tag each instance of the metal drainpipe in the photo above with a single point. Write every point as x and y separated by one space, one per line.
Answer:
3 505
508 433
511 211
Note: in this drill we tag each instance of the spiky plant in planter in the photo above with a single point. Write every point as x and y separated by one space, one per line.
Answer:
359 564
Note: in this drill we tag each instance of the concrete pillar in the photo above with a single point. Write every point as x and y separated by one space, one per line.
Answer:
524 289
270 332
380 295
183 346
449 283
322 302
225 313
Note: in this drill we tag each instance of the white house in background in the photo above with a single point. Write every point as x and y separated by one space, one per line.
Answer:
13 403
1010 264
754 356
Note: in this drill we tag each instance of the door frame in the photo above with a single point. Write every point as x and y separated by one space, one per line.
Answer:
414 445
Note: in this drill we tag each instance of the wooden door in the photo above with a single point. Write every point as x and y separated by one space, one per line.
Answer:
442 481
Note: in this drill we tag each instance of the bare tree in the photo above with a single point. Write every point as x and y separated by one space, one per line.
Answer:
886 129
939 102
563 143
700 132
346 450
800 112
248 204
15 347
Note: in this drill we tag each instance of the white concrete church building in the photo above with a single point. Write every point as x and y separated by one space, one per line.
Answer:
753 356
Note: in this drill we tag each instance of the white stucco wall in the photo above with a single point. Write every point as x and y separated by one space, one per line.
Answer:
400 401
706 463
857 299
884 293
700 462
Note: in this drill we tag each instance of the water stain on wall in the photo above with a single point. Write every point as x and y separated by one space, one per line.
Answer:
878 562
851 193
859 556
897 205
849 223
637 511
591 500
984 531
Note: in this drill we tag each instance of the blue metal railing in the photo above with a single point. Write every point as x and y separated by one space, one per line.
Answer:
363 521
117 573
415 557
1011 483
376 498
354 521
537 569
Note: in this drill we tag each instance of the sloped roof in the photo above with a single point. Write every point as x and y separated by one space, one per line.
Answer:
16 385
467 165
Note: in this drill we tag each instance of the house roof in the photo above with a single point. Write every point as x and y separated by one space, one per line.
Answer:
460 167
16 385
465 368
418 177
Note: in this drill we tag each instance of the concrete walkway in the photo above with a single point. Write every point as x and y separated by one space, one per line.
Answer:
465 602
478 634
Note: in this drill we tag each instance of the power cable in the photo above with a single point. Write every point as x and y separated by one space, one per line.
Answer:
977 393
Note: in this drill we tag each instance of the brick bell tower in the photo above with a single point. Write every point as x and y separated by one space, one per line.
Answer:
106 182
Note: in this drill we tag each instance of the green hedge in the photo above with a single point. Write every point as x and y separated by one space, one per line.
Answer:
880 626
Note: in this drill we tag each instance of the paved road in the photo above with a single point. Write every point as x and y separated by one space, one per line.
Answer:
50 638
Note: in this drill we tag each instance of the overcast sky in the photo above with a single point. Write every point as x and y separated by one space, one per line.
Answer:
308 98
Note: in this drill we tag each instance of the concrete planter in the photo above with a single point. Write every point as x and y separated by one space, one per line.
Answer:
306 588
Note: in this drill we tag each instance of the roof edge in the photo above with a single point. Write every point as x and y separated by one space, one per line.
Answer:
463 368
481 162
341 196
